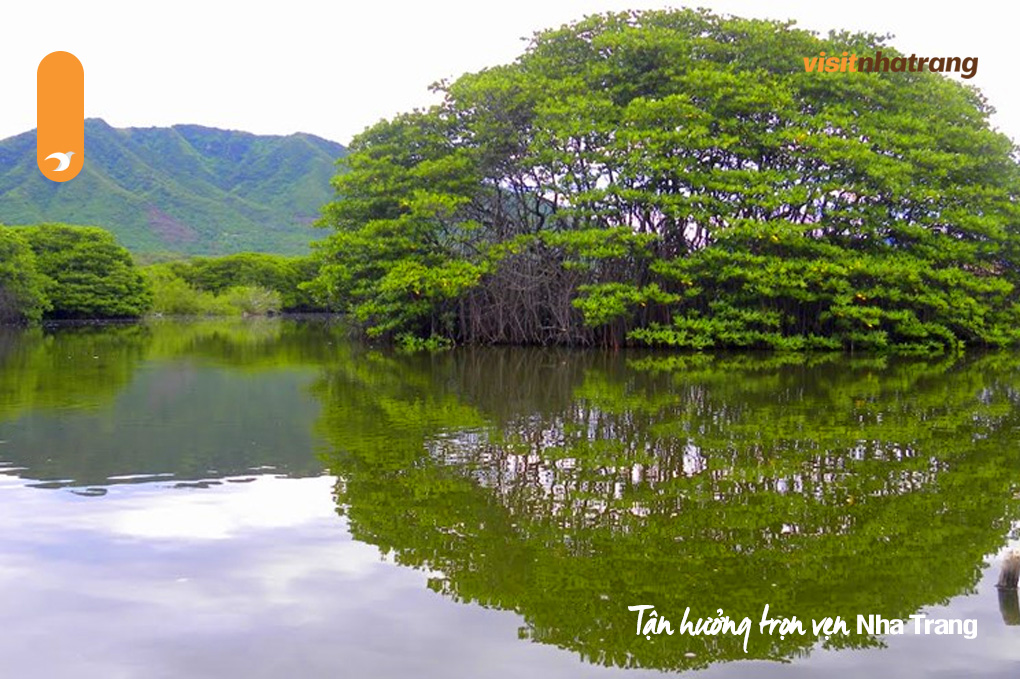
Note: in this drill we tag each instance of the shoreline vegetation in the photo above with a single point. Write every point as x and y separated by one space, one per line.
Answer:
57 272
668 179
252 284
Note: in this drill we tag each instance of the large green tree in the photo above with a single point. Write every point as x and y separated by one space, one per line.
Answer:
21 286
677 178
88 274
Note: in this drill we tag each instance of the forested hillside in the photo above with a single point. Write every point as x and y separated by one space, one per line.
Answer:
185 189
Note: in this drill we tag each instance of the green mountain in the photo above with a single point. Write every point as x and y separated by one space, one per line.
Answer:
186 188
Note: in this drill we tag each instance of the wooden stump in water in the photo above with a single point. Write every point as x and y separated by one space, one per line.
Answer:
1010 571
1009 607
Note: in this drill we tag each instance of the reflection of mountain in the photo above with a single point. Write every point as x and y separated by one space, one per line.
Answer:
567 487
190 401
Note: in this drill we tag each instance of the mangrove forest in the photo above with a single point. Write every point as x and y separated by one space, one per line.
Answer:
677 179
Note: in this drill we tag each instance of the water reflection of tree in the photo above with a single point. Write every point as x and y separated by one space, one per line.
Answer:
567 486
191 414
79 366
86 365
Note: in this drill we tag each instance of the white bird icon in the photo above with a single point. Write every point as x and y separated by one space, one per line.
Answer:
64 158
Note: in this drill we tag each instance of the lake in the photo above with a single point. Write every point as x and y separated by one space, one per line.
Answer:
267 498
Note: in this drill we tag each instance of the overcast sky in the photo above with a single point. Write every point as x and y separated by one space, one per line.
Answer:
333 67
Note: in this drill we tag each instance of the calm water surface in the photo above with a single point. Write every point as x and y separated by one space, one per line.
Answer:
268 499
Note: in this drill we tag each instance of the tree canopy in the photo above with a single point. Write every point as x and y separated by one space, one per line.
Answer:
676 178
87 274
21 286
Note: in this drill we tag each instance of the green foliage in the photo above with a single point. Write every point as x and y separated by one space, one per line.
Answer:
777 287
88 275
184 189
22 295
174 296
283 275
252 300
408 343
675 178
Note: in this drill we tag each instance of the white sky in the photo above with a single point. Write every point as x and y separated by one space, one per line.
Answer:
333 67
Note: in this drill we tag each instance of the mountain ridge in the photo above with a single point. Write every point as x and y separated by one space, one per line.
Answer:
185 188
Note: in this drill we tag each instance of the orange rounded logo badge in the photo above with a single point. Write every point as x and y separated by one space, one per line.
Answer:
60 116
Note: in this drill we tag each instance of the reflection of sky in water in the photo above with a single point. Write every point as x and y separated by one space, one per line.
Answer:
262 579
